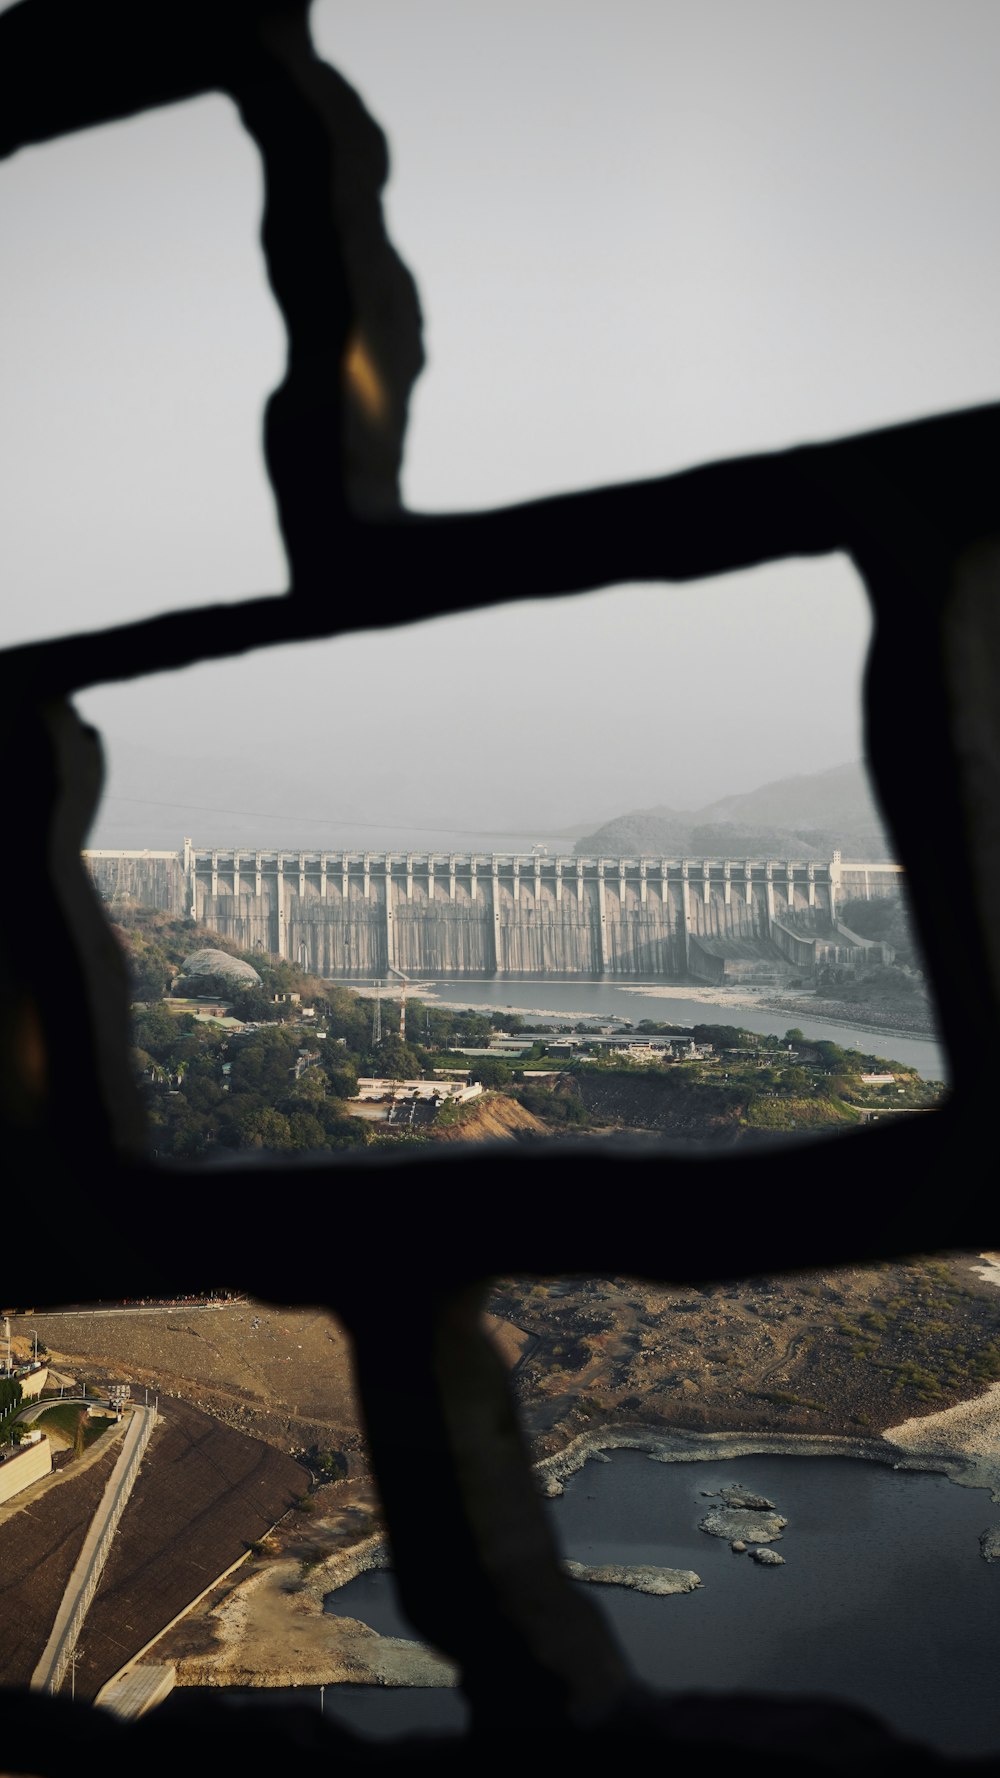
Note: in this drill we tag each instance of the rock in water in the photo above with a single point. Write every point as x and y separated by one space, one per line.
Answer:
989 1543
741 1497
738 1547
641 1580
768 1558
743 1526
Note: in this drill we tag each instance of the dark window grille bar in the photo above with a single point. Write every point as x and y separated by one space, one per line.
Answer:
915 507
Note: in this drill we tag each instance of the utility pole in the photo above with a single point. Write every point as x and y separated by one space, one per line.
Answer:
402 1004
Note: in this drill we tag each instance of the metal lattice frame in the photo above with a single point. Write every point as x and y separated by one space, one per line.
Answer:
917 508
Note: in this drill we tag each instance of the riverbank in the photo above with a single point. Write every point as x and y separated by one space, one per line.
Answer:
685 1004
273 1631
280 1627
857 1015
962 1443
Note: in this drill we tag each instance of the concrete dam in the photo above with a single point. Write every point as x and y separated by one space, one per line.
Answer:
361 915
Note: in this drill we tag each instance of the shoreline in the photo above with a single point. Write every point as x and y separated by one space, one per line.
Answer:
923 1033
722 999
961 1443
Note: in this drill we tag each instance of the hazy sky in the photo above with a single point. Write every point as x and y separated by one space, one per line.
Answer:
645 233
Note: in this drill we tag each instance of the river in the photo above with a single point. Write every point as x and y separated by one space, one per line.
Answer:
566 1002
884 1599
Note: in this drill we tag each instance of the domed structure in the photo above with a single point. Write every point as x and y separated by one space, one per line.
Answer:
217 965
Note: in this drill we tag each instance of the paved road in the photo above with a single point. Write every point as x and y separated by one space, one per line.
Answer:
86 1562
34 1408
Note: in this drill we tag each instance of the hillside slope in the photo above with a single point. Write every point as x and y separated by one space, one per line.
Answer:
806 816
492 1118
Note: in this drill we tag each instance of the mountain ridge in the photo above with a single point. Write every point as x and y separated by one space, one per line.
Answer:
808 815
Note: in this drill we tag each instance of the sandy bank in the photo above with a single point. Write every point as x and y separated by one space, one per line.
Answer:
679 1446
962 1443
273 1630
703 996
856 1015
988 1268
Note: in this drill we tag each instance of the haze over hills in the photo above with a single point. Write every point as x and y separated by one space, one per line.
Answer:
156 795
806 816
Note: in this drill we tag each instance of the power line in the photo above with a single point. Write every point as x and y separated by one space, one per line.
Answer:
496 833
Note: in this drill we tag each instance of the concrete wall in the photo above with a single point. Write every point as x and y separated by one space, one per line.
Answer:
361 915
32 1383
28 1465
139 879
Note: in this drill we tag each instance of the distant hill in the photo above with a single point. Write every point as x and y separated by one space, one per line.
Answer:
807 816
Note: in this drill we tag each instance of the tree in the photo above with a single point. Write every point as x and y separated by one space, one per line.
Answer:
305 1131
721 1037
10 1401
340 1069
262 1063
151 976
343 1131
507 1021
332 1464
492 1071
307 1093
393 1060
156 1030
345 1015
794 1080
254 1006
202 1087
259 1126
183 1132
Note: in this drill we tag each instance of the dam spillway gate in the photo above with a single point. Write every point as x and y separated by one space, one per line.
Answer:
351 914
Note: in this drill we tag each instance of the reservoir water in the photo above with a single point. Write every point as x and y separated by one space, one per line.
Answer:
884 1599
565 1002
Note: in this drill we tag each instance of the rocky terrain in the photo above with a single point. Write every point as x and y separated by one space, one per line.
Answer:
874 1006
282 1375
843 1352
825 1361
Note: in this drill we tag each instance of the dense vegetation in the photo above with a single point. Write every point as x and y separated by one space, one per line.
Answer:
280 1079
10 1401
281 1083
